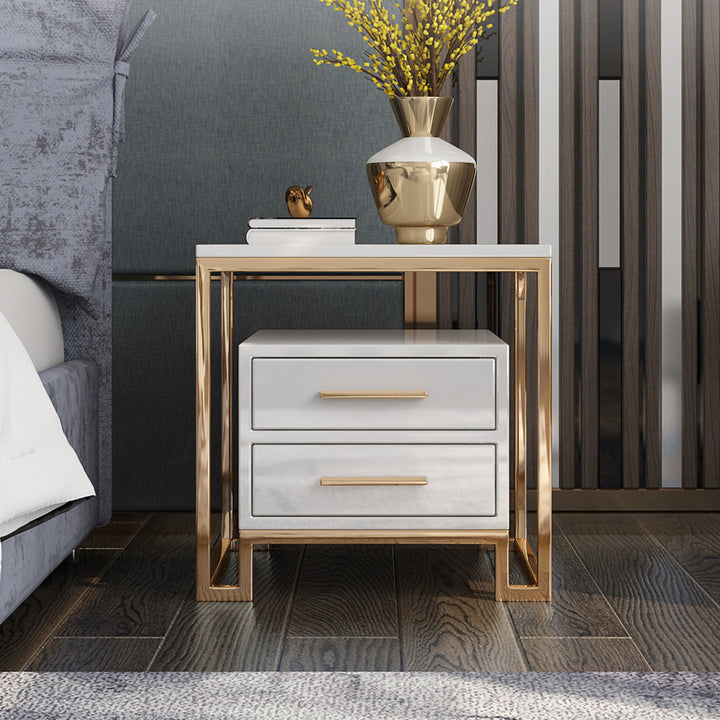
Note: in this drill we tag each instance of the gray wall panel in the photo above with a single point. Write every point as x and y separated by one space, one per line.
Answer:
154 369
224 110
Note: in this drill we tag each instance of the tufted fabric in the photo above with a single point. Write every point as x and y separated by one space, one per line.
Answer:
57 83
72 388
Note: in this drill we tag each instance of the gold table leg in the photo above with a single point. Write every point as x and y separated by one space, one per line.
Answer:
209 560
538 566
420 311
202 436
420 300
520 405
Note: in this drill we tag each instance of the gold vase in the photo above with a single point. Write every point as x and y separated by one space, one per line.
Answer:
421 183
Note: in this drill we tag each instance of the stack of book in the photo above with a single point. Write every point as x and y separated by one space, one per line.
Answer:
306 231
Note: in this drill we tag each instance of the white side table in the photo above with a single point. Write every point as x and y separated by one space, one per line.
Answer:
417 264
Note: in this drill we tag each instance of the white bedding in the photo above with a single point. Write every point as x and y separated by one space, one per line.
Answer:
39 471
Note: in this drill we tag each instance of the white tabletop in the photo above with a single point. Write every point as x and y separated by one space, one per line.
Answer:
373 251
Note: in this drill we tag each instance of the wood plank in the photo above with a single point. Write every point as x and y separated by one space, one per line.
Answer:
95 655
589 238
24 632
653 245
444 301
630 199
467 141
577 608
345 591
672 620
565 274
175 523
227 636
509 199
530 212
141 592
690 232
641 500
444 283
115 535
449 620
585 654
710 305
694 540
354 654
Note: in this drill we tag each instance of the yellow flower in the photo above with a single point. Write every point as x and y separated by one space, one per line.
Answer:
413 53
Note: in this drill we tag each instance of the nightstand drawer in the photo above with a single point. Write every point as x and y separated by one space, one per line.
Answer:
373 393
373 480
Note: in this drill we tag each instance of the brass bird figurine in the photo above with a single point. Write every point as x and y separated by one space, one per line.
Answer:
298 201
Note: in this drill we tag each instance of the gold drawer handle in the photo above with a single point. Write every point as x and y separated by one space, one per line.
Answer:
402 480
373 394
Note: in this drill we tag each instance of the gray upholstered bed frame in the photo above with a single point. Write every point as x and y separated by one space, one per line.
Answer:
31 553
63 69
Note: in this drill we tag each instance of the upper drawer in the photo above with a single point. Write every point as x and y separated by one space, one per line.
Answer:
432 394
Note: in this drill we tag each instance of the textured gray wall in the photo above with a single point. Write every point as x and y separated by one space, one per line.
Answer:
154 369
224 110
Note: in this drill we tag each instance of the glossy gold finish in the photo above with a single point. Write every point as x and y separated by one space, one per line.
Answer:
202 436
520 405
420 300
421 199
145 277
373 394
544 430
298 201
538 564
421 116
404 480
226 318
421 194
371 537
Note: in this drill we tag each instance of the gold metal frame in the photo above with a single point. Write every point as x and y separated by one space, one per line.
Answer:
420 311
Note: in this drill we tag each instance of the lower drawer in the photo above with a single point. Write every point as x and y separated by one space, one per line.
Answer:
374 480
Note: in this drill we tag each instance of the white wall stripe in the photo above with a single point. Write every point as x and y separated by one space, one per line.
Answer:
609 173
487 162
671 68
549 195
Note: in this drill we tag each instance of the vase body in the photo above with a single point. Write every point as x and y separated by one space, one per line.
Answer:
421 183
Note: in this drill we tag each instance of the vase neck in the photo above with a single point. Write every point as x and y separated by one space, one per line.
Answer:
421 116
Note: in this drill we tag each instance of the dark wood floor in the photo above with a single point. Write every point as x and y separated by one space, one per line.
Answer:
632 592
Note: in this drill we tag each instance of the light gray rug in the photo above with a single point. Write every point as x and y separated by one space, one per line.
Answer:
356 696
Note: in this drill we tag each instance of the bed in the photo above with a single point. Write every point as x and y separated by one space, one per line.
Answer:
63 70
42 527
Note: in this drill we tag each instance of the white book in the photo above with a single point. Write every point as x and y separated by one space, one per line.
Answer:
258 236
303 223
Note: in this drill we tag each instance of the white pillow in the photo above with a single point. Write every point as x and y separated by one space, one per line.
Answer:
30 308
38 468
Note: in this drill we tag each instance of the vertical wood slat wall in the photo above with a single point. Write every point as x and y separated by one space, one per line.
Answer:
565 268
701 243
641 251
518 152
587 230
518 197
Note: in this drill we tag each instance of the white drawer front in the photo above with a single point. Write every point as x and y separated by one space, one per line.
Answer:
287 480
286 393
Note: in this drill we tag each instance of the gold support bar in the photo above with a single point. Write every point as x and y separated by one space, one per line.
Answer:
544 430
373 394
226 318
202 436
403 480
420 300
420 308
520 405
